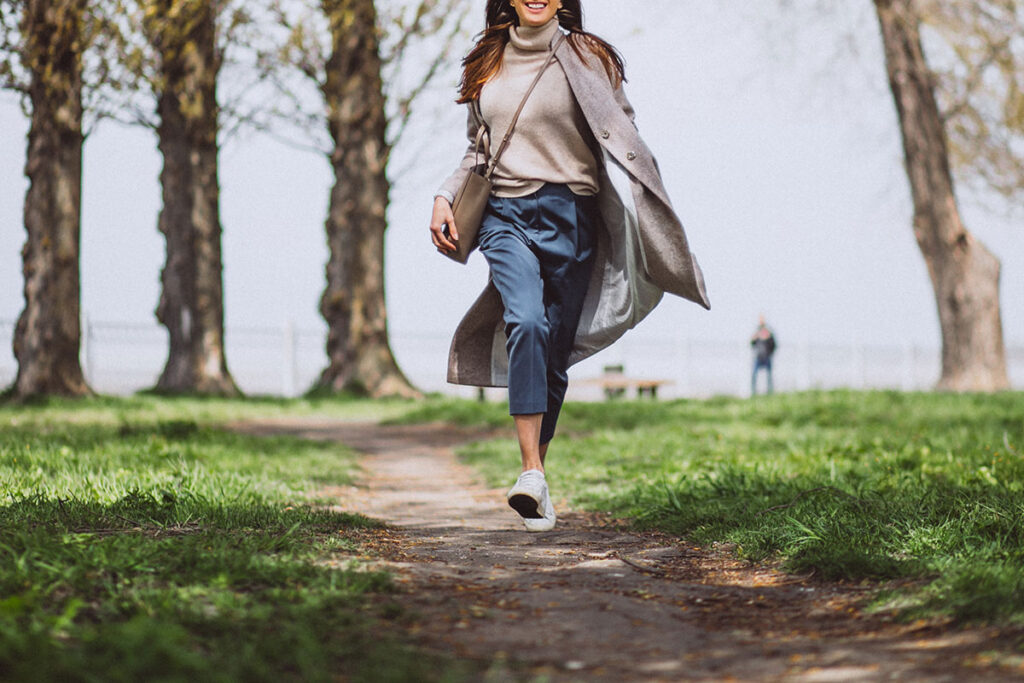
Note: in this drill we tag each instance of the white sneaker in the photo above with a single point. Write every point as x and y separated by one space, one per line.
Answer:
547 522
529 497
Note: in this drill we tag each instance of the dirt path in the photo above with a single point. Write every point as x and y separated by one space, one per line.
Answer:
591 601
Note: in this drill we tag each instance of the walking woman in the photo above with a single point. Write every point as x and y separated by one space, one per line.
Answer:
579 234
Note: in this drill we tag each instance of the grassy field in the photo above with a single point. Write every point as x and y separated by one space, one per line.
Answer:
852 486
137 542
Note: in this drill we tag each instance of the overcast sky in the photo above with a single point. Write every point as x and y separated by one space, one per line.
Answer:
783 162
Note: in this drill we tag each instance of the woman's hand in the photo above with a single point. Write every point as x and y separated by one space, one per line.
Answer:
443 216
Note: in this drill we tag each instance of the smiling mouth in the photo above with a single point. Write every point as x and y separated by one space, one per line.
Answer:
536 6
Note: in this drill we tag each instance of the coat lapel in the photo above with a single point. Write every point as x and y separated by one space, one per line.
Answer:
611 126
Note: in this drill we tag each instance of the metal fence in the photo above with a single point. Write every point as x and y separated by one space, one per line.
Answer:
121 358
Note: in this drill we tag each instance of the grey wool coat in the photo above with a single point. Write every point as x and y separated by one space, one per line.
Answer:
642 250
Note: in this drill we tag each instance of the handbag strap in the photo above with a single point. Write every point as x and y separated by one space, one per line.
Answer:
479 139
512 126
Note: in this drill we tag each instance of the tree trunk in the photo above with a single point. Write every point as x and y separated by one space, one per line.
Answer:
964 274
353 303
191 299
48 334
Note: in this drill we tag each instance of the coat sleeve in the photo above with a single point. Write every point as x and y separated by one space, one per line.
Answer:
469 159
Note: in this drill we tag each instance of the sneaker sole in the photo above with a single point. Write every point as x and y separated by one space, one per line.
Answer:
539 525
527 506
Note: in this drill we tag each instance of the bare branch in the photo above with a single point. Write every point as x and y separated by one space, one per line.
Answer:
981 59
441 59
407 27
11 76
300 145
976 55
408 33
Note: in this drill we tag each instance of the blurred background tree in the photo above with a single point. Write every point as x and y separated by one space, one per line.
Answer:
362 66
964 274
170 57
45 46
953 73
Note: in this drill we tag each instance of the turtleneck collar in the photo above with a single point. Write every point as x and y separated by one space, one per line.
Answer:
533 38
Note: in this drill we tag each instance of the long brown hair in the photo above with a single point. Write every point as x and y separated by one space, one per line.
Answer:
484 60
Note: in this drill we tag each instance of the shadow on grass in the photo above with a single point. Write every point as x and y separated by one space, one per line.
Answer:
179 586
138 542
962 541
848 485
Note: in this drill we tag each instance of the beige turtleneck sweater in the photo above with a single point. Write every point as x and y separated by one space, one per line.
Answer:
550 142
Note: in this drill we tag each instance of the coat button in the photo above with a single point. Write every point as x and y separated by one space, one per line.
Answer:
630 156
605 134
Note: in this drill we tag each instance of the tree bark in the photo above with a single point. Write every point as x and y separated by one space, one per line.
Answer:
48 334
191 299
353 304
964 274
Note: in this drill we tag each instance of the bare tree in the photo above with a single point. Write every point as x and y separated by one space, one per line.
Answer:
954 78
184 35
171 54
964 274
343 51
42 48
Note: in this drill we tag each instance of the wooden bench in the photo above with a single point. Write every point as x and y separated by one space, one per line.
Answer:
616 384
616 387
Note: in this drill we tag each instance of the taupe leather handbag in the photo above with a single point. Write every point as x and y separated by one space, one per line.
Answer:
471 199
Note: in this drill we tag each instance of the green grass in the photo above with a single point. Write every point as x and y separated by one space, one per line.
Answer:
850 486
139 542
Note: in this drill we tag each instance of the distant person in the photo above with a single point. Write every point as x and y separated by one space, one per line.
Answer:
763 343
555 218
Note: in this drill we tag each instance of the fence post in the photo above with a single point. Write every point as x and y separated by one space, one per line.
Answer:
684 352
745 384
804 365
85 348
857 367
289 361
909 354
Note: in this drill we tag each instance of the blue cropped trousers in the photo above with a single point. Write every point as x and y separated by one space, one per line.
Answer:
540 249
